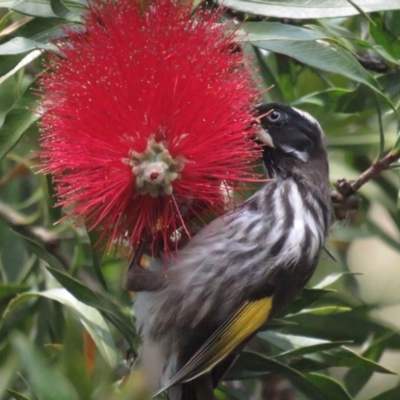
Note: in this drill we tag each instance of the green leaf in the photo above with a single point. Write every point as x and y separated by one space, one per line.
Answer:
11 68
392 22
48 382
122 321
5 19
390 394
398 200
35 248
333 389
383 235
9 290
264 31
344 357
331 279
292 345
356 325
20 45
8 369
327 98
360 99
41 29
36 8
16 395
306 298
232 393
269 78
384 37
252 365
312 9
322 56
396 147
61 10
355 379
89 317
277 323
67 10
6 3
327 310
18 119
96 258
390 83
100 302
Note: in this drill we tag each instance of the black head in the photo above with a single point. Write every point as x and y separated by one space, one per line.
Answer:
293 141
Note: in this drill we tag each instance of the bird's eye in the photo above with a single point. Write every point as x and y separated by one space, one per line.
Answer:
274 116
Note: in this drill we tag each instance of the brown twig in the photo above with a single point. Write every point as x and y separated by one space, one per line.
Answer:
344 197
374 170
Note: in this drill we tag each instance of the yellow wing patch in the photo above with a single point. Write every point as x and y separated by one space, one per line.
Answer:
246 320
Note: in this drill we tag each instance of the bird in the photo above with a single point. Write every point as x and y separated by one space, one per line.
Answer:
241 269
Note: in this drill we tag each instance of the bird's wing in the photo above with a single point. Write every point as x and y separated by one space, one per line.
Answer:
246 320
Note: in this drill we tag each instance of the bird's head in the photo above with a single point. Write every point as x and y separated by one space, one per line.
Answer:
293 142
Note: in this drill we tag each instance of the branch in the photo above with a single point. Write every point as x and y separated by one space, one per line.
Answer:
345 199
374 170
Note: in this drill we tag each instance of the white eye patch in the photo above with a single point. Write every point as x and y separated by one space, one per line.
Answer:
301 155
309 118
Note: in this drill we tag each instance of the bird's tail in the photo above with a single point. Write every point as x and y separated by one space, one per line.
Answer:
200 388
187 391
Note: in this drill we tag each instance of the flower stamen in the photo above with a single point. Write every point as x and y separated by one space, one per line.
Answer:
155 169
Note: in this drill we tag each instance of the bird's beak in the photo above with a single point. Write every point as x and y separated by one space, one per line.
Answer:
265 138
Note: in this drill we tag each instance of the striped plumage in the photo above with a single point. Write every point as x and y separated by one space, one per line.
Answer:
243 267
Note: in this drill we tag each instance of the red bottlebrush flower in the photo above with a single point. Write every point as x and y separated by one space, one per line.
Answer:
147 111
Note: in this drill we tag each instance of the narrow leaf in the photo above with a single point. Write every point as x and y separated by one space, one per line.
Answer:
331 279
36 8
62 11
390 394
90 318
48 383
344 357
11 290
262 31
322 56
96 258
312 9
356 378
20 45
100 302
252 365
18 119
232 393
292 345
333 389
42 253
328 310
16 395
21 64
122 321
306 298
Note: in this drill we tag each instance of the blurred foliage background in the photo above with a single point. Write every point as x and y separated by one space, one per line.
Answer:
67 327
